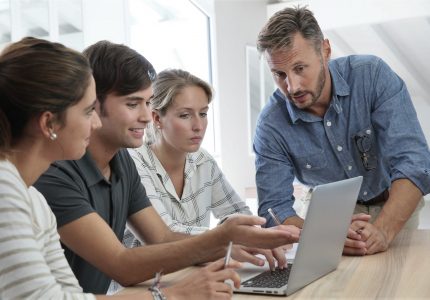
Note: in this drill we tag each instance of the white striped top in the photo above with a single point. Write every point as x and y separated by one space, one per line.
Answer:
32 262
206 191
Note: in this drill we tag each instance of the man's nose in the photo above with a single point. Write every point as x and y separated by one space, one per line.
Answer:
293 84
145 115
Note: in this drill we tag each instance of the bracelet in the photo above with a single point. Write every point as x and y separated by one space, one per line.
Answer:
155 288
156 293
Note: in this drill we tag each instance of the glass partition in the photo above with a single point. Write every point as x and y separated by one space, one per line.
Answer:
174 34
70 23
260 86
55 20
5 23
34 18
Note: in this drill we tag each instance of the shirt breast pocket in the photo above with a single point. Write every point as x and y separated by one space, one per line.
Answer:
365 145
310 166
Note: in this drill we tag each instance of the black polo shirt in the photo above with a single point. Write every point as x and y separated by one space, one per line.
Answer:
74 189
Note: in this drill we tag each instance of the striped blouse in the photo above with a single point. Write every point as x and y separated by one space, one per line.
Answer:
205 191
32 262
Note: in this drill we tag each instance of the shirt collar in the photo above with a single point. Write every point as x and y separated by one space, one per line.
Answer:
152 162
339 85
92 174
339 88
191 163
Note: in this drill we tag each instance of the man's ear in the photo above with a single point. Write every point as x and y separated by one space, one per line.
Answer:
326 49
46 124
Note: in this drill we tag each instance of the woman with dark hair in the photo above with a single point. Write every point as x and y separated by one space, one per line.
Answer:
47 102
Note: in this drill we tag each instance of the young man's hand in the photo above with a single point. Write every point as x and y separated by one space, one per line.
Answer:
246 230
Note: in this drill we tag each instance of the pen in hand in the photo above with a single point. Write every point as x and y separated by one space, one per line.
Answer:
228 254
274 217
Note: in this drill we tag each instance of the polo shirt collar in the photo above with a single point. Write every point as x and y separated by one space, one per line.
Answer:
92 174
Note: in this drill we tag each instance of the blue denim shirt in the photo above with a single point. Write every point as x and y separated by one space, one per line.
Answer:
367 97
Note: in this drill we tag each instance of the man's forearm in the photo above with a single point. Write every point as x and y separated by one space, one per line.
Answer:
208 246
188 251
178 235
402 202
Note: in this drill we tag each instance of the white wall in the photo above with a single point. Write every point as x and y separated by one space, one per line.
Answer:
237 24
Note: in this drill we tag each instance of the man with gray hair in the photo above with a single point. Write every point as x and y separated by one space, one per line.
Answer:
335 119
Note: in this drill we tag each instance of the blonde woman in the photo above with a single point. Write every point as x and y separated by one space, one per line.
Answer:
182 180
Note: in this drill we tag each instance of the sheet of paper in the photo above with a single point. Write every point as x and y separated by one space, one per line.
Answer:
291 253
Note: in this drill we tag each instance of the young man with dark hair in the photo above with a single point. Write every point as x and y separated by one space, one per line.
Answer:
94 197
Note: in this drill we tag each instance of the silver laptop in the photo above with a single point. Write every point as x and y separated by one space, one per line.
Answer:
320 246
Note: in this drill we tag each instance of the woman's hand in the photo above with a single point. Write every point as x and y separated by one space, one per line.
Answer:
206 283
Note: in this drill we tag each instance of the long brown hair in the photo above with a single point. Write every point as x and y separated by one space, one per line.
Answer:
37 76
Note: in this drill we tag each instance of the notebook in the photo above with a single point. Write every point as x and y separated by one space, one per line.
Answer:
320 246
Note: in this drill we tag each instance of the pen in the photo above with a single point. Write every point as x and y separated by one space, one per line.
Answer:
228 254
274 217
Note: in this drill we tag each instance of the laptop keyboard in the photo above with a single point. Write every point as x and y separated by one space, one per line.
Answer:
269 279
